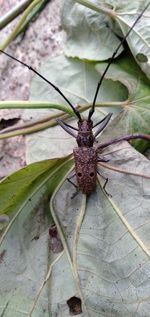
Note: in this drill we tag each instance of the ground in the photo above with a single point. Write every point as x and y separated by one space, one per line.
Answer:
43 38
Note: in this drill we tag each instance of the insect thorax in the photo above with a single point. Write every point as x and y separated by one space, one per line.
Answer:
85 135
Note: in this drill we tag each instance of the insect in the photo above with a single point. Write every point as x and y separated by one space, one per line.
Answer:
87 154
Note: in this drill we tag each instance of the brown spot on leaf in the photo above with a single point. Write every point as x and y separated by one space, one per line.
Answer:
53 231
75 307
55 241
2 254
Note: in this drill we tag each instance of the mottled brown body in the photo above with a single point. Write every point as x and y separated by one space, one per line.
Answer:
86 168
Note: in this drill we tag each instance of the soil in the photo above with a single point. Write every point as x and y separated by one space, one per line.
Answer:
43 38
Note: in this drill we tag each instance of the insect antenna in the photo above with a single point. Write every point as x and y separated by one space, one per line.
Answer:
111 60
46 80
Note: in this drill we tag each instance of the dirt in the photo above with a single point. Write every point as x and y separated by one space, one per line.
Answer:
43 38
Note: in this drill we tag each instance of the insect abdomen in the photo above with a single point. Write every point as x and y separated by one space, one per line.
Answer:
86 168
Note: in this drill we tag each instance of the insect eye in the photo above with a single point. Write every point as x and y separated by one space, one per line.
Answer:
92 174
79 174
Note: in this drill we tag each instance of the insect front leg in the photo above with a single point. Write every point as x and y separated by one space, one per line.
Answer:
67 127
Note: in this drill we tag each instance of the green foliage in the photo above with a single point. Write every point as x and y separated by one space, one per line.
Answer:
105 255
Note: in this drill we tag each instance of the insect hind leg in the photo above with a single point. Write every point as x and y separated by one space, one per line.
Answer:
104 186
102 160
72 183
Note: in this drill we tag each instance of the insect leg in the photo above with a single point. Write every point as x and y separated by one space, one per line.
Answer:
106 181
104 122
126 137
102 159
69 180
70 126
66 127
76 187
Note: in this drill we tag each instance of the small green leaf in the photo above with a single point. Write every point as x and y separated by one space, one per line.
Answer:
89 35
17 189
24 251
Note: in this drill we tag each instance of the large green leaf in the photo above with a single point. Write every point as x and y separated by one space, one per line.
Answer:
106 241
24 251
105 256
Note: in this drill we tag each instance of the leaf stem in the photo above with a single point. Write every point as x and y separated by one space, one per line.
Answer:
44 282
13 34
13 13
75 245
57 222
32 127
47 121
19 104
